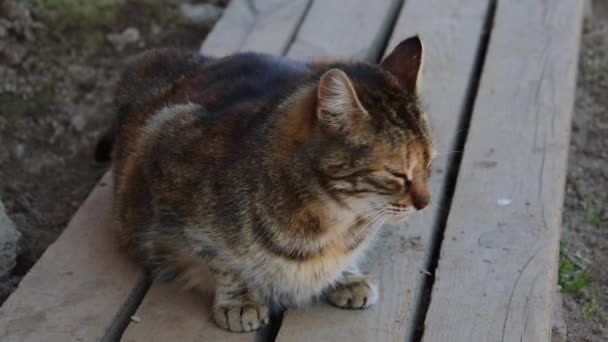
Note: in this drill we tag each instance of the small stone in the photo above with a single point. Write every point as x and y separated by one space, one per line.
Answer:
119 40
200 14
503 201
13 54
19 151
78 122
9 243
82 74
155 29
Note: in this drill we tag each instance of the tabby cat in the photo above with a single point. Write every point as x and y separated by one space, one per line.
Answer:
266 175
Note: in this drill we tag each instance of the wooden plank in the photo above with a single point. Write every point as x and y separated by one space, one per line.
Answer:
451 31
79 286
338 29
498 263
256 25
166 314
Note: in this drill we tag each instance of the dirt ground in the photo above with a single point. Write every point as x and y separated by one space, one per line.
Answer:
585 228
59 61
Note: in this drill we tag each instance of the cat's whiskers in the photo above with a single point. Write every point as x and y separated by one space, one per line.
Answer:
379 225
379 217
370 212
372 207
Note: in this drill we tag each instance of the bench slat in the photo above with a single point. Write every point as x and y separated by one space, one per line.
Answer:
166 314
498 263
77 290
337 29
256 25
451 31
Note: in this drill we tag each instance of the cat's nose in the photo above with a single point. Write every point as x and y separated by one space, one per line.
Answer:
421 201
420 195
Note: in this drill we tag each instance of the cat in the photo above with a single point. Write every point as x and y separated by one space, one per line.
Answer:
265 175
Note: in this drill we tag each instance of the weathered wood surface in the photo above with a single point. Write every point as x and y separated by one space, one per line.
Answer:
166 314
79 288
337 29
497 269
451 30
256 25
498 264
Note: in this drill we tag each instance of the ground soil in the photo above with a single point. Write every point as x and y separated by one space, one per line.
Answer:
585 228
57 69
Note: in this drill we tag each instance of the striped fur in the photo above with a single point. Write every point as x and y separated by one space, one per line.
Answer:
265 175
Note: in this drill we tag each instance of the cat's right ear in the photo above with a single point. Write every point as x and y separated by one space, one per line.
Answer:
405 62
338 106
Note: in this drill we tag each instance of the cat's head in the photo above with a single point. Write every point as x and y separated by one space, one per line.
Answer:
375 149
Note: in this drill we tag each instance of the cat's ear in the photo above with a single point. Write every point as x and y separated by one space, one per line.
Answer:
338 106
405 62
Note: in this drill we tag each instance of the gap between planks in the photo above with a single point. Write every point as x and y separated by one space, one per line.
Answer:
452 41
452 171
498 264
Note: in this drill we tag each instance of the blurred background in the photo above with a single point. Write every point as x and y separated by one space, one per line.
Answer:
59 60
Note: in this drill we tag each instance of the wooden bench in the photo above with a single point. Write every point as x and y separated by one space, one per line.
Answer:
479 265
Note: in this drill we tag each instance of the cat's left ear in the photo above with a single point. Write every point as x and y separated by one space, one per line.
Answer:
405 62
338 106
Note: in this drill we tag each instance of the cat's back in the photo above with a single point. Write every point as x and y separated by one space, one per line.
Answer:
242 81
192 110
161 85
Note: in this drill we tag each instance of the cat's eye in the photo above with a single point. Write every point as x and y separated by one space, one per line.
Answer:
398 174
407 182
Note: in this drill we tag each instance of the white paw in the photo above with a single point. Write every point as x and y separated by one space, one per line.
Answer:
356 294
241 318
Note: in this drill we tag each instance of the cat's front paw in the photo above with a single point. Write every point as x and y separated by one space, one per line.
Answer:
355 294
241 317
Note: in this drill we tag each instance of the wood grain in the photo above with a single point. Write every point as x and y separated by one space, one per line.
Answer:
167 314
79 286
344 29
255 25
498 263
451 31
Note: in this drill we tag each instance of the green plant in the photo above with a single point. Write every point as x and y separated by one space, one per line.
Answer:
593 213
6 89
46 2
590 307
572 277
79 15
